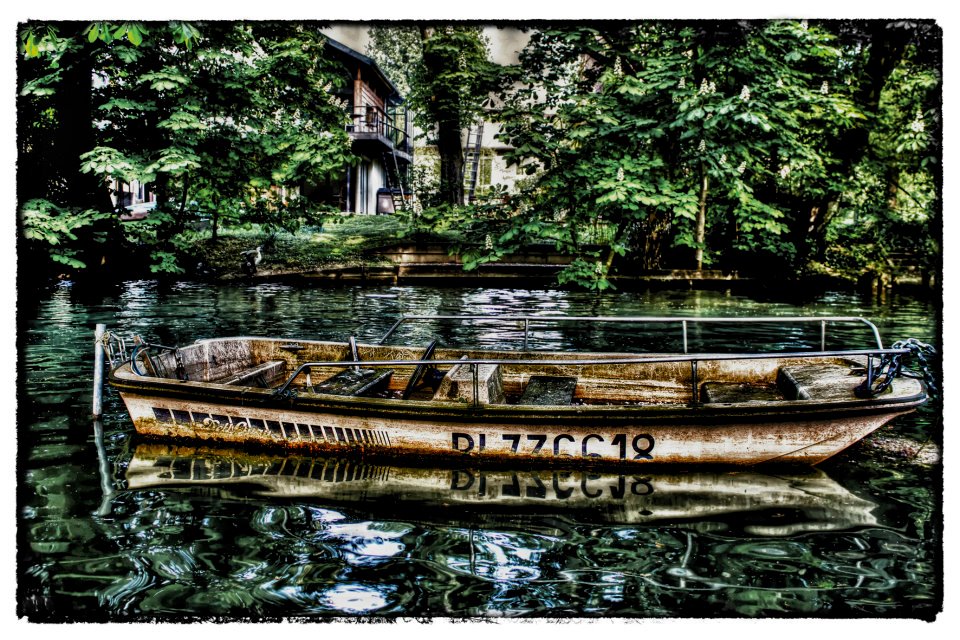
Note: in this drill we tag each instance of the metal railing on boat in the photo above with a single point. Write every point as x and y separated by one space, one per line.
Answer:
693 359
527 320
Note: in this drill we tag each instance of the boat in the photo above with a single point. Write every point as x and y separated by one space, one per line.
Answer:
751 501
524 405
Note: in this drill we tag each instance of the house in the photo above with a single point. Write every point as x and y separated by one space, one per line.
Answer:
136 198
380 132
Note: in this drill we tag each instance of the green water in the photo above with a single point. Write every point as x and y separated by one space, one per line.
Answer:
113 529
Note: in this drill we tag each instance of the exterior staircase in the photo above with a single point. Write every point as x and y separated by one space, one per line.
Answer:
471 161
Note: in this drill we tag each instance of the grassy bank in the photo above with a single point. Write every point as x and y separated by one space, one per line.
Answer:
341 241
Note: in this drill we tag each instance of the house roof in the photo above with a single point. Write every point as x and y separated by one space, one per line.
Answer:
345 51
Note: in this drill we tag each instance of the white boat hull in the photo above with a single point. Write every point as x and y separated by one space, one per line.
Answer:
753 440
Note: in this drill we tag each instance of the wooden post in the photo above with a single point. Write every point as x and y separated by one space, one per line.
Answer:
98 371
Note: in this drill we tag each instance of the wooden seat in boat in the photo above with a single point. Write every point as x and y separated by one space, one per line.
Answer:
355 382
739 392
262 375
817 381
549 390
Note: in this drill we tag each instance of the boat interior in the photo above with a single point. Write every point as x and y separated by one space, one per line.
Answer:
432 373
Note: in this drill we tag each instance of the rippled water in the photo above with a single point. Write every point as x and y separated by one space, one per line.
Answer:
114 528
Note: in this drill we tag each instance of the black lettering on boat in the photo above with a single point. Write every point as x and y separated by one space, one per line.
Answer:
539 439
620 440
556 443
643 453
467 438
583 445
514 438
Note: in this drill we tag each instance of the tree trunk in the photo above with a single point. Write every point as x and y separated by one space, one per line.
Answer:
215 220
700 236
451 162
445 112
75 132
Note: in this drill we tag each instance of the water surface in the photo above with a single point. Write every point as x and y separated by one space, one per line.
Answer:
113 528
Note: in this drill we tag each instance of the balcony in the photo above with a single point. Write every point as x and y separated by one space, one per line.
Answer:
371 127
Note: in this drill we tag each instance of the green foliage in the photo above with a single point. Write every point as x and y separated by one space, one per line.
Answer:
637 127
229 116
56 230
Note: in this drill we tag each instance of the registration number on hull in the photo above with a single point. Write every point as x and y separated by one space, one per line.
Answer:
593 445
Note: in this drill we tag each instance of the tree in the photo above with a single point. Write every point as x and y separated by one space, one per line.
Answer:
449 77
231 114
710 136
892 204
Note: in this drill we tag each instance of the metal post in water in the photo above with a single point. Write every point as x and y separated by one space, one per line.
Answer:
98 371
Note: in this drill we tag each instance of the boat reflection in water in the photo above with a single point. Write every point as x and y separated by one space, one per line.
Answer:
780 503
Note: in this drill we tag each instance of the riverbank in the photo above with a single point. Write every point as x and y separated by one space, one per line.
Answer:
380 250
436 262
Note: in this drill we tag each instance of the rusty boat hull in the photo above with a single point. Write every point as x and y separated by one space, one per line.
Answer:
621 409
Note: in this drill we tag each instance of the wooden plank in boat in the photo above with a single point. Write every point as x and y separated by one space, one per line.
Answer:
549 390
268 370
818 381
355 382
739 392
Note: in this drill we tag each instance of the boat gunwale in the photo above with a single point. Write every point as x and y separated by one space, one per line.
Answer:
783 410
